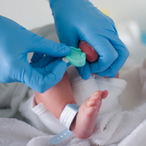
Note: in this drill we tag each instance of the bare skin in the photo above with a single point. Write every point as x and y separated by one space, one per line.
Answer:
84 124
56 98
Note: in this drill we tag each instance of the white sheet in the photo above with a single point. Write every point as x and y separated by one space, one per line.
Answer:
123 128
113 126
10 97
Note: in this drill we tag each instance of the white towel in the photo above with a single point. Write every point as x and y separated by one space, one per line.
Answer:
112 127
17 133
137 137
10 97
125 127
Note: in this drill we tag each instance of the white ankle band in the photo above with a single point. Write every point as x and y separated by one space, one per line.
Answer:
66 118
68 114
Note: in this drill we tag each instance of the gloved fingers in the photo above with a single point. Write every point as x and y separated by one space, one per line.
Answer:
113 24
106 51
56 74
48 68
123 54
119 45
71 41
46 60
84 71
43 62
71 38
36 57
39 81
41 45
7 79
118 63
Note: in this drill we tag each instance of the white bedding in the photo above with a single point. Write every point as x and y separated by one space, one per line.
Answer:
123 128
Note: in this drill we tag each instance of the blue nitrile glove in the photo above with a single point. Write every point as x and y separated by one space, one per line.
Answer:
15 43
77 20
44 64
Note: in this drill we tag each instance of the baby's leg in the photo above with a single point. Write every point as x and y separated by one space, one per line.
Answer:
84 124
56 98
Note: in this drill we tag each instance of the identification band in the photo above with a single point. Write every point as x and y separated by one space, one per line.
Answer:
66 118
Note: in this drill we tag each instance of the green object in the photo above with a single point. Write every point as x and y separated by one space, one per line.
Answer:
76 57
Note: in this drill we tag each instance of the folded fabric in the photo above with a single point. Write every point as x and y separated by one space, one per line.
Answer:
17 133
11 95
114 125
122 124
44 120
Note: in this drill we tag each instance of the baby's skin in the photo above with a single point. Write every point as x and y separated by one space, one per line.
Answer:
84 124
56 98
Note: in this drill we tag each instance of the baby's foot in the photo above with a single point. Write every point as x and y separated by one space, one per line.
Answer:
84 123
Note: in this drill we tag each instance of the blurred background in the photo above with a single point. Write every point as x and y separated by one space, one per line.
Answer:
129 17
36 13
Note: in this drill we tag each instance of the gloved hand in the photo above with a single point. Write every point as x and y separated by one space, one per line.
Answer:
77 20
15 43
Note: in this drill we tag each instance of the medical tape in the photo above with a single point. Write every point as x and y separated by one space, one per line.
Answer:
66 118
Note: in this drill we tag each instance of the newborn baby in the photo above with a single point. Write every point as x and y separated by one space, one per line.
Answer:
61 94
56 98
88 94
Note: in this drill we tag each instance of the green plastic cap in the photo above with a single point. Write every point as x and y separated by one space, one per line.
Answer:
76 57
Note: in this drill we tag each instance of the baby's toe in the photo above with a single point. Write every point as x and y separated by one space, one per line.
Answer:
91 102
104 94
96 93
91 110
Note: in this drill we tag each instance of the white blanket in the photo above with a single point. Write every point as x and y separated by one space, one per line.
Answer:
125 127
112 127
